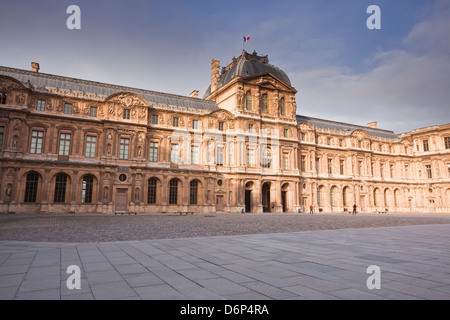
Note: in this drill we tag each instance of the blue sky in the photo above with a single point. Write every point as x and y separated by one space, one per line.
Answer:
398 76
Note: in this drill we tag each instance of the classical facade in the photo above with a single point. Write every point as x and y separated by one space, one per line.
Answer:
71 145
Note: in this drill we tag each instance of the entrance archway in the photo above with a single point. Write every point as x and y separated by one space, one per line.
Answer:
266 197
284 197
248 196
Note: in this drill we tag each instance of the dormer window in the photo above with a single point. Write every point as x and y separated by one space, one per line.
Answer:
282 107
126 114
248 100
264 103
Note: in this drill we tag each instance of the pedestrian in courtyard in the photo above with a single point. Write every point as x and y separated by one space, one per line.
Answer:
311 209
354 209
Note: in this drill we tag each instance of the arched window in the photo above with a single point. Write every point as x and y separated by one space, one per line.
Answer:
264 103
193 192
319 196
267 158
60 188
386 197
248 100
282 107
87 189
375 197
332 196
151 199
173 191
396 192
344 196
31 187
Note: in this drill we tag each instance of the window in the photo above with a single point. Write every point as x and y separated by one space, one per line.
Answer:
64 144
31 187
154 119
429 173
60 188
250 128
425 145
341 167
93 112
407 171
36 142
91 144
391 168
87 189
448 170
153 152
124 148
375 197
359 144
175 121
40 106
194 124
285 161
330 166
447 142
3 97
285 133
248 100
382 170
249 157
219 156
2 132
173 191
267 158
126 114
264 103
174 153
360 168
220 126
282 107
328 141
341 142
68 108
151 191
302 136
194 154
193 192
344 196
303 163
317 164
319 196
332 196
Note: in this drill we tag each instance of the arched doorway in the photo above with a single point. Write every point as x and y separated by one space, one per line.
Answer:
266 196
248 196
284 194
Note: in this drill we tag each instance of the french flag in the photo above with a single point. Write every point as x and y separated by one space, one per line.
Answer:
246 39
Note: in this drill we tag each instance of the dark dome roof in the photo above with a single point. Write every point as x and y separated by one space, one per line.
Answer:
249 65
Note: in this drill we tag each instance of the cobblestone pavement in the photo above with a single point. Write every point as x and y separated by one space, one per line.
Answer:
413 263
195 258
98 228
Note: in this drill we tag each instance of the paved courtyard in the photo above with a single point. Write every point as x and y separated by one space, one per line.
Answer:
298 257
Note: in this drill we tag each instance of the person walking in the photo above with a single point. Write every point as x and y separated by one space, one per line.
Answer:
310 209
354 209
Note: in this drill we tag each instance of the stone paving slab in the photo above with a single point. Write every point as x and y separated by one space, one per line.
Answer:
326 264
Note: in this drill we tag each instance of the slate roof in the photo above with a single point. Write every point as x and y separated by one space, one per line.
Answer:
248 65
346 127
38 79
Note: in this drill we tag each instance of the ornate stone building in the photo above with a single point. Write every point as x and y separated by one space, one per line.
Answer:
71 145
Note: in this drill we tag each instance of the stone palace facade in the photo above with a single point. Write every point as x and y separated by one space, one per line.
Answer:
78 146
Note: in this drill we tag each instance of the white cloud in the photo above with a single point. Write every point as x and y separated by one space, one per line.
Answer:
405 89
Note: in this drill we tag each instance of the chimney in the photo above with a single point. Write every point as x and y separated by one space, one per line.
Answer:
215 74
34 66
372 124
194 94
